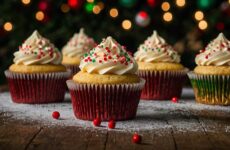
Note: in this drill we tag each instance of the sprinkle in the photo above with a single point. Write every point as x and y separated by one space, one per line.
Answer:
109 57
100 61
86 60
105 59
93 60
206 56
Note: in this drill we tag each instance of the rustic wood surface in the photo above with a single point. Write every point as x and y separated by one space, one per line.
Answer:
21 134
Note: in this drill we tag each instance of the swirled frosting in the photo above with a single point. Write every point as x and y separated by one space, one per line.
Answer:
37 50
155 49
216 53
79 44
109 57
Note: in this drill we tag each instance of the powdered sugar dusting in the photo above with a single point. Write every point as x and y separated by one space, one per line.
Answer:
151 115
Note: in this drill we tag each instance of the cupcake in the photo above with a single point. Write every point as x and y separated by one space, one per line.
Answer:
159 64
72 52
37 75
107 86
211 78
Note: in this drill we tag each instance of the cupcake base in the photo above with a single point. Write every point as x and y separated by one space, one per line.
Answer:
115 101
162 85
37 88
211 89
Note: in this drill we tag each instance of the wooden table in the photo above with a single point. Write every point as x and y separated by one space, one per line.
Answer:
214 133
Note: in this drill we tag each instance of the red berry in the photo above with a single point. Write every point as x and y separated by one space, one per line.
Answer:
111 124
56 114
97 122
174 99
136 138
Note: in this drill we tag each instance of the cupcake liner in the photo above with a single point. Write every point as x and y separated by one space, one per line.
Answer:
162 85
73 69
211 89
37 88
118 102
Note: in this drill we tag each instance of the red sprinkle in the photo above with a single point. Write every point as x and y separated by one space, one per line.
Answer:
105 59
109 57
100 61
56 115
206 56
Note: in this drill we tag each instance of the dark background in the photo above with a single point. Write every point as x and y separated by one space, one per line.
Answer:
62 18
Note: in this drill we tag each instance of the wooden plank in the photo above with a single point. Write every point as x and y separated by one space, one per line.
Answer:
98 139
191 137
218 131
61 138
16 135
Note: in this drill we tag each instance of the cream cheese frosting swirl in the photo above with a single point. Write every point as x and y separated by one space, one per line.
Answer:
216 53
155 49
37 50
109 57
78 45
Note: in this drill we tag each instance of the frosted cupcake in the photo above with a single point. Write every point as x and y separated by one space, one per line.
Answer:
77 46
211 77
159 64
107 86
37 75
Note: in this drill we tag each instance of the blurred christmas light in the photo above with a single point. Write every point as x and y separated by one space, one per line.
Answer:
96 9
152 3
43 5
205 4
203 25
8 26
142 19
101 5
39 15
180 3
90 1
168 16
113 12
26 2
199 15
75 3
229 1
220 26
128 3
126 24
89 7
165 6
65 8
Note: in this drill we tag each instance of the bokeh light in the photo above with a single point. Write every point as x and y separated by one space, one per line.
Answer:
65 8
39 15
113 12
168 16
8 26
25 2
199 15
165 6
126 24
203 25
180 3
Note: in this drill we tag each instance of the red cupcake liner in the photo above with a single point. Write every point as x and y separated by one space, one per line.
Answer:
37 88
162 85
118 102
73 69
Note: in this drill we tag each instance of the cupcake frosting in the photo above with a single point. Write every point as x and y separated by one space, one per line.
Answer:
79 44
108 57
216 53
155 49
37 50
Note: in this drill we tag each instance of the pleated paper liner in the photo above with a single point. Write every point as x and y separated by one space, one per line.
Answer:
37 88
162 85
117 101
211 89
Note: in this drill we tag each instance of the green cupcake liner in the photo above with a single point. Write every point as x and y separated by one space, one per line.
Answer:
211 89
